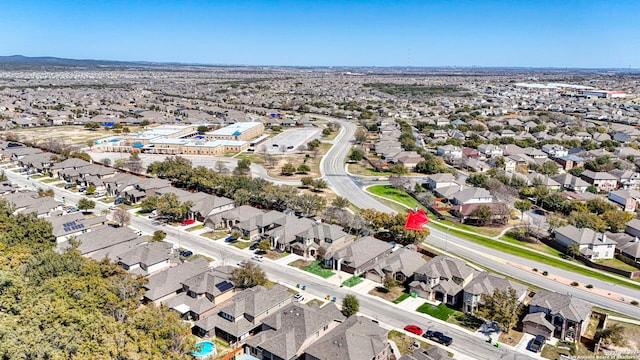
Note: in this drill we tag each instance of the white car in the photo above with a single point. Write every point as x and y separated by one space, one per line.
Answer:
257 258
298 297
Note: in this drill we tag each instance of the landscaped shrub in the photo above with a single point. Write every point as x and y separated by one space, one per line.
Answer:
634 302
534 270
575 283
545 273
589 286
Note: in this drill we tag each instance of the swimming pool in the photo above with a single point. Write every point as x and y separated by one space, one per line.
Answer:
205 348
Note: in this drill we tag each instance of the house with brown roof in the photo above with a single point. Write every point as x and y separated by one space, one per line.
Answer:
557 315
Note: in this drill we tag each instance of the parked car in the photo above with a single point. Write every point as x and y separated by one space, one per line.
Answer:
69 186
437 336
537 343
139 232
112 207
186 253
257 258
188 222
254 246
82 189
97 195
260 252
230 239
118 201
298 297
289 147
72 209
414 329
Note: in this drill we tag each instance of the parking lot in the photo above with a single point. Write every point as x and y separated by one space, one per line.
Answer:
291 140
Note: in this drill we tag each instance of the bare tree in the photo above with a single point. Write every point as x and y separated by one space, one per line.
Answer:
121 216
221 167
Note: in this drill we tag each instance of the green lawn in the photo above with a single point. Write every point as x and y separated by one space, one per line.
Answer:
242 244
618 264
441 311
387 191
317 270
194 228
400 298
352 281
549 260
535 246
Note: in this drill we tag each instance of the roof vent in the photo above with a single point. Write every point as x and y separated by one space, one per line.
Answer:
339 344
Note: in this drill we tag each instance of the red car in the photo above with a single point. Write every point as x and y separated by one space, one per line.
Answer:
188 222
414 329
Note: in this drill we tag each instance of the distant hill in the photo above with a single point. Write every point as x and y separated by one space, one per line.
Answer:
26 62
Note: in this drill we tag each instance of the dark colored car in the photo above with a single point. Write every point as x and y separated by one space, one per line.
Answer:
186 253
414 329
118 201
254 246
260 252
229 239
69 186
538 211
437 336
537 343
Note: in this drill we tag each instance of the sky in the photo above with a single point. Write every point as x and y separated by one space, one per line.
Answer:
517 33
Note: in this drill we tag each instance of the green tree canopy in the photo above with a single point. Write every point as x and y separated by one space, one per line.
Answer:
249 275
350 305
502 307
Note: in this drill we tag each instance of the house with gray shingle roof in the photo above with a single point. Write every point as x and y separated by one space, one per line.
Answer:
432 353
317 239
229 218
203 292
570 182
287 333
486 283
400 265
165 284
357 338
568 316
243 313
592 245
358 256
442 279
147 258
101 238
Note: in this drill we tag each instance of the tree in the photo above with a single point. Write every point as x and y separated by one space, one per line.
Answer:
573 249
243 167
106 161
306 181
86 204
523 205
221 167
319 184
158 235
264 245
91 189
121 216
249 275
555 222
356 154
340 202
477 179
119 164
45 193
304 168
202 129
389 282
482 214
288 169
92 126
398 169
502 307
616 219
360 136
350 305
613 334
549 168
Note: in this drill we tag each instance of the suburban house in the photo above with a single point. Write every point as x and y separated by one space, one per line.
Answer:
441 180
229 218
165 284
602 180
485 284
554 150
30 202
500 213
626 178
205 205
358 256
400 265
570 182
627 199
242 315
593 245
101 238
283 235
490 150
450 152
74 224
442 279
70 163
143 188
288 332
545 180
432 353
147 259
38 162
256 226
627 246
473 195
356 338
203 292
557 315
317 240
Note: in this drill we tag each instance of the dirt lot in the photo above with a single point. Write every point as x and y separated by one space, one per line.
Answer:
69 135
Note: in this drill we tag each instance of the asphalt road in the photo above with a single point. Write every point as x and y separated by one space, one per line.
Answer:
467 346
332 167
